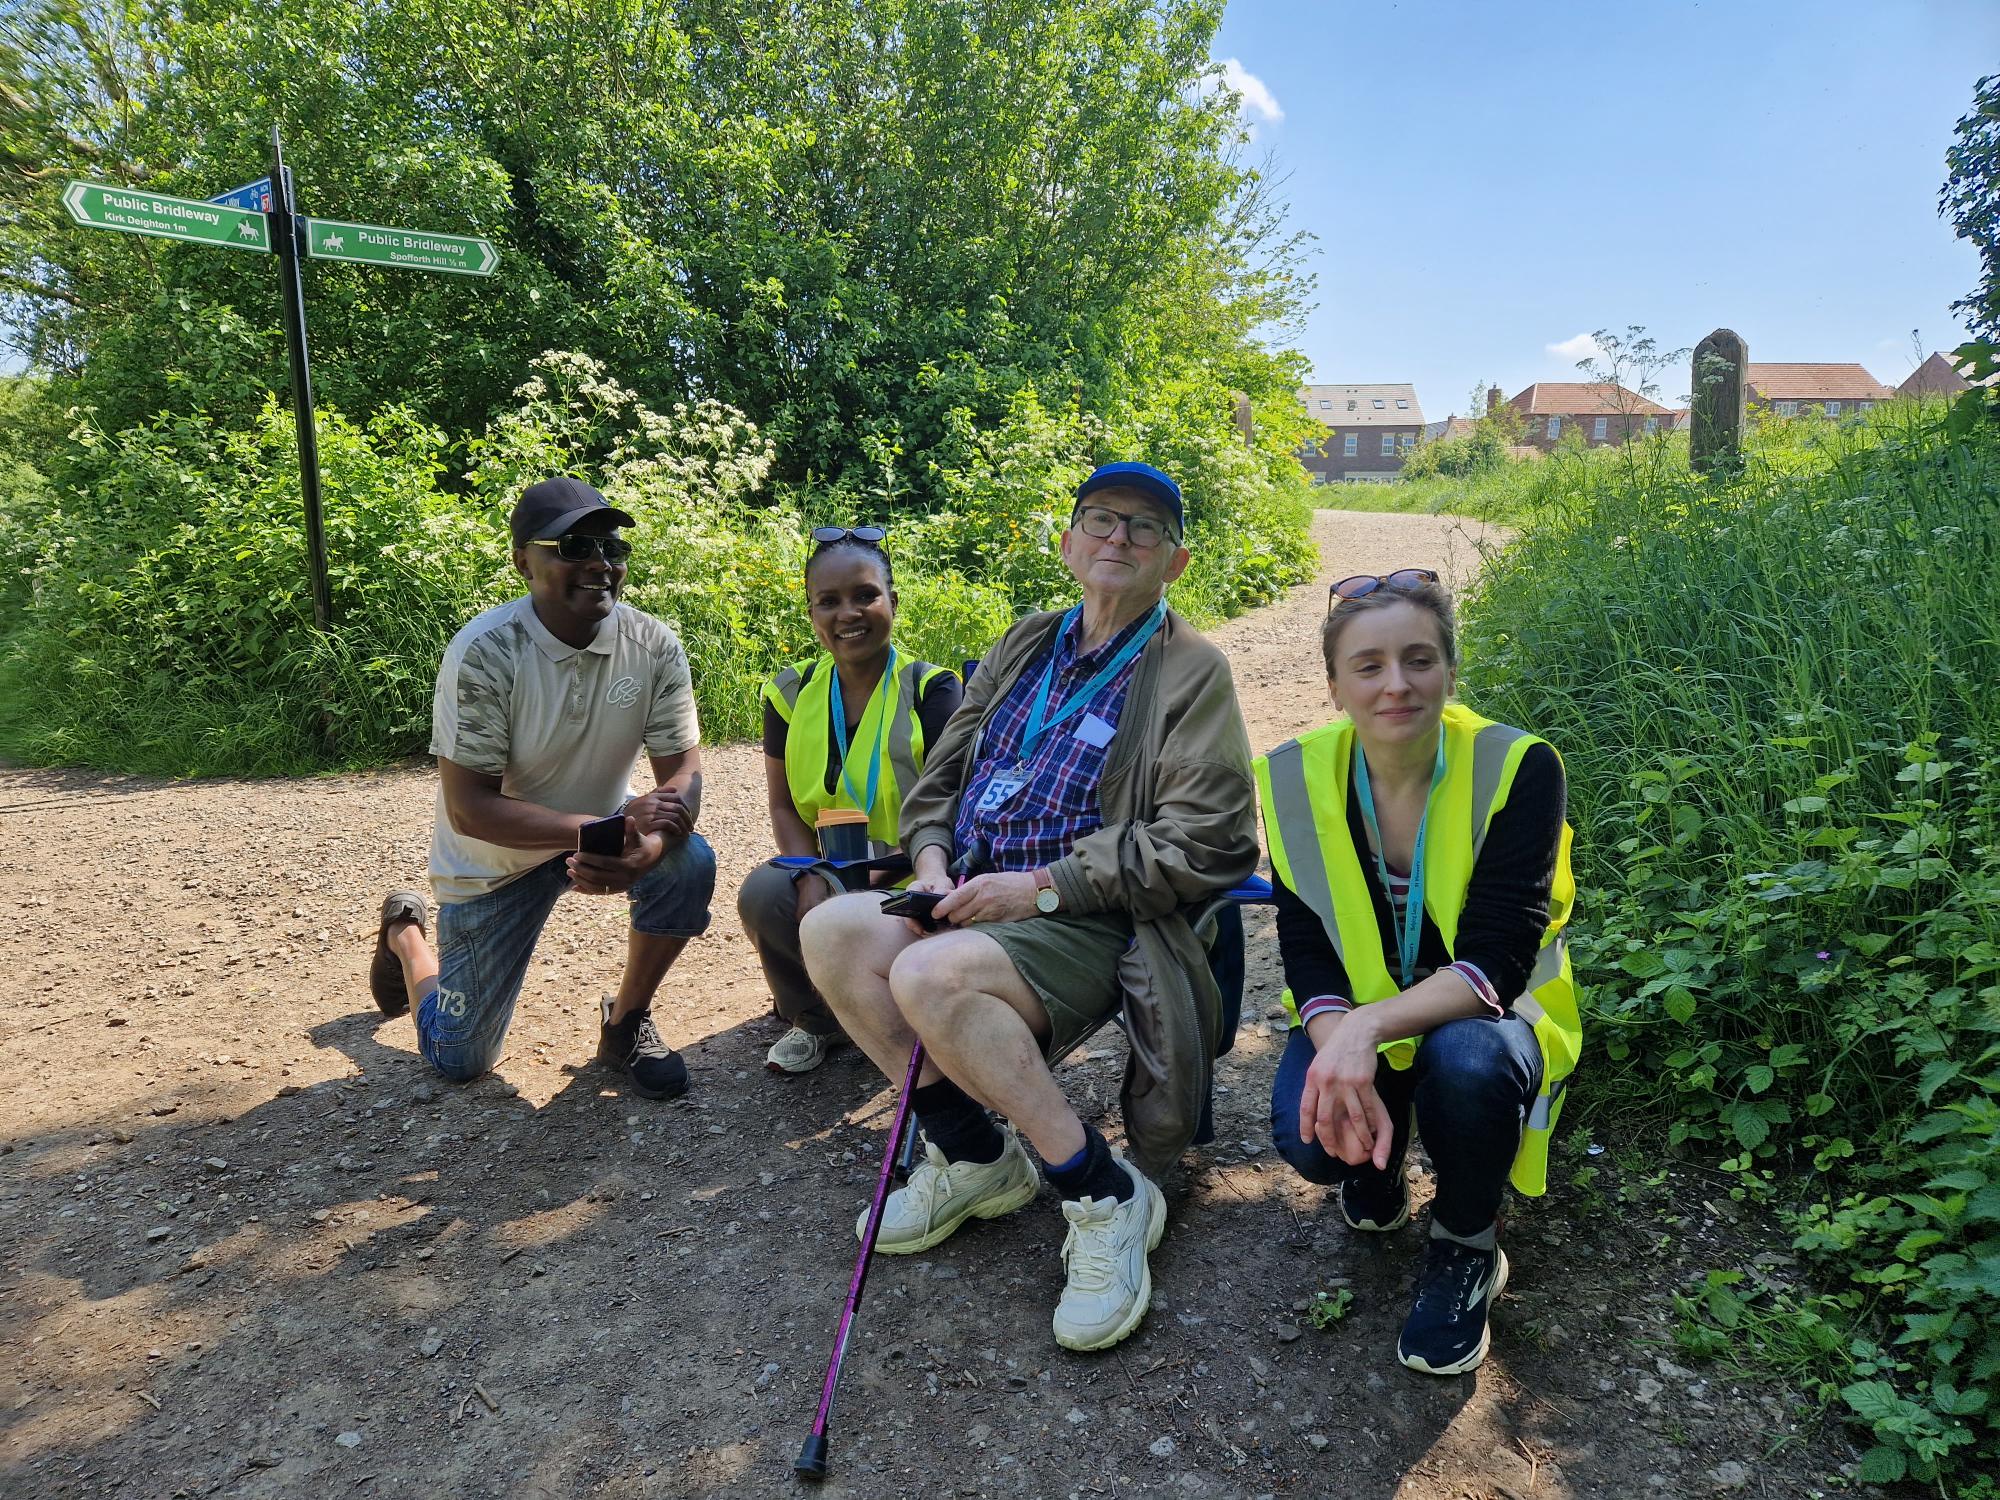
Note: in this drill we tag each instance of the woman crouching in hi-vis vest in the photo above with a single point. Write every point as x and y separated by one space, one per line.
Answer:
1423 880
845 730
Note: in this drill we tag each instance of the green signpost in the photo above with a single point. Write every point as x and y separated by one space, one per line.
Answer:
100 205
415 249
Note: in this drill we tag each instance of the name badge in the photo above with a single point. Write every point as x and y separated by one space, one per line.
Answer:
999 791
1094 732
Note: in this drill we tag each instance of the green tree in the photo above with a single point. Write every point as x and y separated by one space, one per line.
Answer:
1970 198
850 219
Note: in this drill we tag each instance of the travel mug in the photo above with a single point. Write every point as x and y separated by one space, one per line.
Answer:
843 834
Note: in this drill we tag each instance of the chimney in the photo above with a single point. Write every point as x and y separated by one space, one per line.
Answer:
1492 399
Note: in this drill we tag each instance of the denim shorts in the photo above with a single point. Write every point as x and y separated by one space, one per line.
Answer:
484 946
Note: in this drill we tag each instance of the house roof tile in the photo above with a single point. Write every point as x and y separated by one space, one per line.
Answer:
1577 398
1813 383
1940 375
1354 405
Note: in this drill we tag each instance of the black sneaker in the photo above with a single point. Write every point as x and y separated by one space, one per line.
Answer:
633 1047
385 969
1446 1332
1376 1202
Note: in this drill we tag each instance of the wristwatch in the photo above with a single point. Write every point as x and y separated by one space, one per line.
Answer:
1048 900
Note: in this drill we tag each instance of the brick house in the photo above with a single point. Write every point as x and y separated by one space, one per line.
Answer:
1828 390
1370 430
1601 415
1450 427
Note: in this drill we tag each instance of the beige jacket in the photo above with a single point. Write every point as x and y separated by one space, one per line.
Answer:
1180 827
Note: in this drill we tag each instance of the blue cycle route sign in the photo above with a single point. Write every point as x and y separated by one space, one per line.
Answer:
252 197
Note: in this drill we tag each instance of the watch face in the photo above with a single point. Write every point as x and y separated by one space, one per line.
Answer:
1046 899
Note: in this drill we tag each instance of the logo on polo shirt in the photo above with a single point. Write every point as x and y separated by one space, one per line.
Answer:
623 693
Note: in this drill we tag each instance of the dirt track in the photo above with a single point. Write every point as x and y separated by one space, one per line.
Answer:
249 1246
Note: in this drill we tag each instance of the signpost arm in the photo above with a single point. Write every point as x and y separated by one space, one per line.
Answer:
285 240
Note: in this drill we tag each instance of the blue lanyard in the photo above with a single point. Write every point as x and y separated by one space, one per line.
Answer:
1040 721
1413 903
881 728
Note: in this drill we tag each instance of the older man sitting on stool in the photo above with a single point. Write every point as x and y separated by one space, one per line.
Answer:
1101 764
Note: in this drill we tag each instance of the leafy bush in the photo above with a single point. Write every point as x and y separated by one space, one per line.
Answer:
24 491
1481 451
165 624
1776 704
168 626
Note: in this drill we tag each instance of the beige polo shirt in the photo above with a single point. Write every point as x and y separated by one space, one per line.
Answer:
559 725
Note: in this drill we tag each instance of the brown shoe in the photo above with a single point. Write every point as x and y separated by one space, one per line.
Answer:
385 971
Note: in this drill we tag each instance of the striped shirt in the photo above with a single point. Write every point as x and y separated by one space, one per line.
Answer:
1399 905
1058 805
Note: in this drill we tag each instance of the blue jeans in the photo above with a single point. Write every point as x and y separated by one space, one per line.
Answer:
484 946
1470 1090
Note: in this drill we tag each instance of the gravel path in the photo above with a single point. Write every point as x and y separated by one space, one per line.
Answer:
249 1246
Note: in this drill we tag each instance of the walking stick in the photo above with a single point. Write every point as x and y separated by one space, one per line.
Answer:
811 1462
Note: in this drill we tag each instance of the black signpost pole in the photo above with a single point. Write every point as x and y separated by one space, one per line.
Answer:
285 230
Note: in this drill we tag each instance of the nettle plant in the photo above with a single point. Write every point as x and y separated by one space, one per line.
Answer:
1787 803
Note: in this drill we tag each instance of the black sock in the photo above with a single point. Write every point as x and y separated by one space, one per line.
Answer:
1092 1173
957 1123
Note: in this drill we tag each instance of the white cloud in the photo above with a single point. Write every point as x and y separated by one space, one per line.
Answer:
1582 347
1258 101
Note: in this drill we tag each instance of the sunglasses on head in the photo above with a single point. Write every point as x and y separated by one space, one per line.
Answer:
578 546
1361 585
826 536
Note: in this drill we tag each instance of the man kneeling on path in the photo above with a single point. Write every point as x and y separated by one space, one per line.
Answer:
1100 764
542 705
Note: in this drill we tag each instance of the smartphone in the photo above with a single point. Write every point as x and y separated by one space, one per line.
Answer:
918 906
605 836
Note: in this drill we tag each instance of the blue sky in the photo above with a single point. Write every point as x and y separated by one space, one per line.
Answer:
1487 182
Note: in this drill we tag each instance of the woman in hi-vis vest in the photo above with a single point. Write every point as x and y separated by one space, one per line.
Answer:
1422 876
847 730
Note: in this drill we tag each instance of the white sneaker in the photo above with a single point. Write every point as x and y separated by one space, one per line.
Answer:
941 1195
800 1051
1110 1284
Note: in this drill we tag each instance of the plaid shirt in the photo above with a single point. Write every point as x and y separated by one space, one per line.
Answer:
1036 826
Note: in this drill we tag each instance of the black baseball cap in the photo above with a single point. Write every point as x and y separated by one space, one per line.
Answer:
550 508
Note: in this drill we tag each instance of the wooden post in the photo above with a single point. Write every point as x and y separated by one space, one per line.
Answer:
1246 423
1715 441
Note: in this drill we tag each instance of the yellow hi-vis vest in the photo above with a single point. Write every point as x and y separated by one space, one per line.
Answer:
1303 788
803 697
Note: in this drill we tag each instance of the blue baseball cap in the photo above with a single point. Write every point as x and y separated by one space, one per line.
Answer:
1143 478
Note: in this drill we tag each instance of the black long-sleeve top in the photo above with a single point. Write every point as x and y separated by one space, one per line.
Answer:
1506 906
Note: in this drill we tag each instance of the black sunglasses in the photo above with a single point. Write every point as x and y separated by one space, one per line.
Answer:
1361 585
826 536
577 546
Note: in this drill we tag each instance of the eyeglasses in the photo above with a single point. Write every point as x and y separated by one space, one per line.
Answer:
577 546
1142 531
1361 585
826 536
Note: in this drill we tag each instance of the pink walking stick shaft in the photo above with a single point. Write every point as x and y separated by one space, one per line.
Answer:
861 1261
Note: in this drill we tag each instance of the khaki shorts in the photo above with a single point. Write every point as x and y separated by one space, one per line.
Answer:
1071 963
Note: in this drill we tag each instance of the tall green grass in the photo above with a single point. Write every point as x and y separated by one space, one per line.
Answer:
1513 492
1776 699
